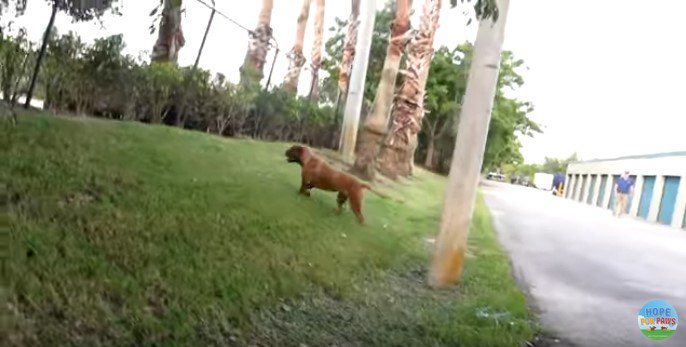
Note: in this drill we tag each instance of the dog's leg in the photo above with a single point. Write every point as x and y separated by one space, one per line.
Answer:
304 188
341 199
356 205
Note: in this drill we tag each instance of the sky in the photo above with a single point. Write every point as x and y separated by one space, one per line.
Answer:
606 77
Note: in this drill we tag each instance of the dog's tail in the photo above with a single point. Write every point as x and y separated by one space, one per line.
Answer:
368 187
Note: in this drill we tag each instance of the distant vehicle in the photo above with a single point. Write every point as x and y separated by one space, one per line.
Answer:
495 176
543 180
522 180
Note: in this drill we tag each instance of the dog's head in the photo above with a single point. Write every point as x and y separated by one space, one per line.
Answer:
295 154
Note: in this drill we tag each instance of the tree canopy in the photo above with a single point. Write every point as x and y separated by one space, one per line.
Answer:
446 86
556 165
79 11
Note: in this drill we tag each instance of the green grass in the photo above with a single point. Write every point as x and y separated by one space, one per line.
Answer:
658 334
129 234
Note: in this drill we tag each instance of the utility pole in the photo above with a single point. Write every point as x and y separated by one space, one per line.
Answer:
468 155
204 38
358 75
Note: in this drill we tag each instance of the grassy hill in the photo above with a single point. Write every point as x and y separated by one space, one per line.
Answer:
129 234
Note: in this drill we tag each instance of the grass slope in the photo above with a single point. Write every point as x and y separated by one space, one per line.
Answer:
129 234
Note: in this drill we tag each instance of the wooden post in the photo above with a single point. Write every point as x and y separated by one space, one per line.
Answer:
467 160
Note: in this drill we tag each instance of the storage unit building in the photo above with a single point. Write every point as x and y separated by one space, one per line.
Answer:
659 192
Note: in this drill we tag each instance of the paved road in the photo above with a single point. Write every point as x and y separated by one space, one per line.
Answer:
587 272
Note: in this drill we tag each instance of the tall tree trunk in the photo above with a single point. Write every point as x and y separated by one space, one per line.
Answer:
170 37
422 82
349 48
460 193
355 97
296 57
41 54
317 49
376 123
258 46
395 158
429 160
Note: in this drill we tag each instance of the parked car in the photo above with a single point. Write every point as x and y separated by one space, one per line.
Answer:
495 176
521 180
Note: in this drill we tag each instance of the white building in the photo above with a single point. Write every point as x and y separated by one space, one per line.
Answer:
660 190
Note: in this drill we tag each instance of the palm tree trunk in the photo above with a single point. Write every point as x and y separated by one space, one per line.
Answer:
422 82
429 160
349 48
41 54
317 49
253 65
170 37
396 156
460 193
296 57
376 123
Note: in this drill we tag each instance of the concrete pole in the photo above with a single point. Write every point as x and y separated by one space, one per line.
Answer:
468 155
358 76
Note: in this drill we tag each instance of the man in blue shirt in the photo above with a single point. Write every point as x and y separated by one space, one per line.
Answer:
624 188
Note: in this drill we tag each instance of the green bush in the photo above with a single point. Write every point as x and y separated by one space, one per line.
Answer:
98 79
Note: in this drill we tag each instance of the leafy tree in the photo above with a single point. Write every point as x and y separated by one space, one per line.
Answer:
15 53
555 165
446 86
482 8
509 117
377 54
79 11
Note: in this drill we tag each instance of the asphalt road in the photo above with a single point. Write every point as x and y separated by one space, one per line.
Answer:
586 272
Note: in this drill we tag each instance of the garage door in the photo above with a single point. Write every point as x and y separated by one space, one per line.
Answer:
601 193
646 196
591 190
668 199
611 205
584 179
631 196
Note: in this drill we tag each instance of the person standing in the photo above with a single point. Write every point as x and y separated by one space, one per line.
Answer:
624 188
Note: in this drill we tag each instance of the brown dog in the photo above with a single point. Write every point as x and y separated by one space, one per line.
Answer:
317 173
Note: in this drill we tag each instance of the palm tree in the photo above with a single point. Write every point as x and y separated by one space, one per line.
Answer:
170 37
422 82
296 56
349 47
317 49
397 151
252 69
377 121
475 115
